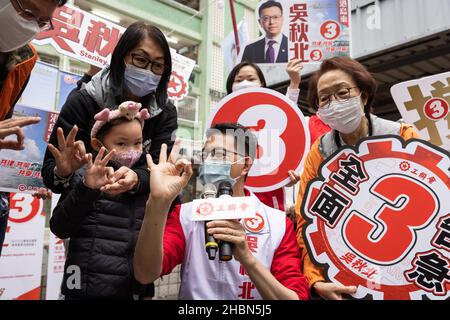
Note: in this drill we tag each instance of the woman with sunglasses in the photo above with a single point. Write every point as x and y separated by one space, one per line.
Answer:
343 92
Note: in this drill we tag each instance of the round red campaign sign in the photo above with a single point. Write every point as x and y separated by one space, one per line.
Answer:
281 129
377 218
23 207
330 30
436 109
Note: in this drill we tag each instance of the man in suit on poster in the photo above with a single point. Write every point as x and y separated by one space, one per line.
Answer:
273 48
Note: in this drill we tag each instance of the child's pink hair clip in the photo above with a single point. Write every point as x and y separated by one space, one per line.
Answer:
127 109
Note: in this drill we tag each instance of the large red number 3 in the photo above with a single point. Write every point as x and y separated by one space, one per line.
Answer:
409 206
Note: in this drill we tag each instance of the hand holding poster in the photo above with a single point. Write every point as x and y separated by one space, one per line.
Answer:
281 129
378 217
308 30
425 103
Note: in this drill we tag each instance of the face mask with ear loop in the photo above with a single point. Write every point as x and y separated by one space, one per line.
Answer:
214 172
343 116
140 82
15 30
245 85
125 158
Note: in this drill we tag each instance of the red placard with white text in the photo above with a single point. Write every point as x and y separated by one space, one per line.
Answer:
378 217
21 259
281 129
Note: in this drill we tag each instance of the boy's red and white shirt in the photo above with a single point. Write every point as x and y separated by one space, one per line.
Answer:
270 237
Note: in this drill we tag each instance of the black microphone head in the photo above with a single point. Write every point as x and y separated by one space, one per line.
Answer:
225 188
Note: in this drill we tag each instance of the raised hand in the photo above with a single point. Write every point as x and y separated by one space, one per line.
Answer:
97 173
169 176
294 178
293 69
12 127
70 154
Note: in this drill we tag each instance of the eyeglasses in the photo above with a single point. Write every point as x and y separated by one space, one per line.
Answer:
275 18
324 100
43 23
142 62
218 154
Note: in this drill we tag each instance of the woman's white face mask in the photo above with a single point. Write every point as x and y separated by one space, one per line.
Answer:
343 116
15 30
245 85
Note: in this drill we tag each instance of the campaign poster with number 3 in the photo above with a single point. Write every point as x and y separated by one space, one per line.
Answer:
308 30
21 259
378 218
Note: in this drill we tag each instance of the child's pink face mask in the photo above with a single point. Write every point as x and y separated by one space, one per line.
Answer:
127 158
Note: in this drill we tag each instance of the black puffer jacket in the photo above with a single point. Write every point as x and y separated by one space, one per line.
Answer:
103 231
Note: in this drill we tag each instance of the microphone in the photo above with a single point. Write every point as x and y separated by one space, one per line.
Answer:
225 248
211 245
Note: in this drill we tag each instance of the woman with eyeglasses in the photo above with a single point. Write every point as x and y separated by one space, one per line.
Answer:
140 68
343 93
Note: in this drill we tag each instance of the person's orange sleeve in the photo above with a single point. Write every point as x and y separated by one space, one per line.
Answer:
312 272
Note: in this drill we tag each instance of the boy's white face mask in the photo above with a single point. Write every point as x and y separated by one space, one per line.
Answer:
15 30
343 116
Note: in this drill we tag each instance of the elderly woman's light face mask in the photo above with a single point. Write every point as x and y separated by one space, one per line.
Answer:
339 102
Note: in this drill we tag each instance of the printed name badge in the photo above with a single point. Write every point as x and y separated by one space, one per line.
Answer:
378 218
223 208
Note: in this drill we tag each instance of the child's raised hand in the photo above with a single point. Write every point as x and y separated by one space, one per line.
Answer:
125 179
97 173
70 154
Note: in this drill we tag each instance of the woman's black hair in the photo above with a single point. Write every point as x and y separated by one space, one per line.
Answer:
131 38
235 71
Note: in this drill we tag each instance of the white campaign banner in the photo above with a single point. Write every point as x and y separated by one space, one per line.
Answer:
21 259
179 80
425 103
82 35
